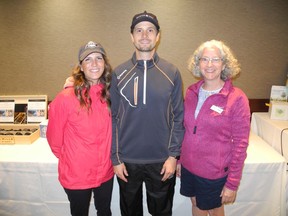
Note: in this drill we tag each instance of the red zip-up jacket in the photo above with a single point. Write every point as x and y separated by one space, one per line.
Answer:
81 140
215 143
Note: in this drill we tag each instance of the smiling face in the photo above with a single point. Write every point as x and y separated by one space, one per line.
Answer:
145 37
93 67
211 64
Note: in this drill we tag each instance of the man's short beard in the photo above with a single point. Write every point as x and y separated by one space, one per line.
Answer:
144 50
148 49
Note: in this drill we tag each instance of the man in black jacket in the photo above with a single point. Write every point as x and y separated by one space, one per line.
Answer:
147 116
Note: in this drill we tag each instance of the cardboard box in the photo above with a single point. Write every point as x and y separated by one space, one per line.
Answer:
20 116
278 110
19 134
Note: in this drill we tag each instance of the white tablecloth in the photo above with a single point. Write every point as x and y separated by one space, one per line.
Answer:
274 132
29 184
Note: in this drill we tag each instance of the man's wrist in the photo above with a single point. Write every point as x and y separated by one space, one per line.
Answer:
176 157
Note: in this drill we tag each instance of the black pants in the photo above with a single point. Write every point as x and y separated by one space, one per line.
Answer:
159 194
80 200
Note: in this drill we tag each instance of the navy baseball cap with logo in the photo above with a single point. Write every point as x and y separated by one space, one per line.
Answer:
144 17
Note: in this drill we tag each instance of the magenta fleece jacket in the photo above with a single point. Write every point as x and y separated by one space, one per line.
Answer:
215 143
80 140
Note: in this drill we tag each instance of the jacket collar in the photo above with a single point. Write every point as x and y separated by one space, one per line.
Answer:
224 91
150 63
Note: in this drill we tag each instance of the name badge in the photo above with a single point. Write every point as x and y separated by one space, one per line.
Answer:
216 109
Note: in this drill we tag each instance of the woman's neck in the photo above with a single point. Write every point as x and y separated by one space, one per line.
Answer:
94 82
212 85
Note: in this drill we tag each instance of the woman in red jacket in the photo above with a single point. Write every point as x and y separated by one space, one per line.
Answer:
79 133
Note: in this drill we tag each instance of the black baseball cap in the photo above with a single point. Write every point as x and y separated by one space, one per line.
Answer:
144 17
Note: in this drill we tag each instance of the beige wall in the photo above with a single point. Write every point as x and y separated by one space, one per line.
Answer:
39 39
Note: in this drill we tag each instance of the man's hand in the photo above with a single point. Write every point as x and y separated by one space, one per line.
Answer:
121 172
168 168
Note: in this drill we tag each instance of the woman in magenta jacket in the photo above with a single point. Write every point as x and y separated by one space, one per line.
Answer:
217 124
79 133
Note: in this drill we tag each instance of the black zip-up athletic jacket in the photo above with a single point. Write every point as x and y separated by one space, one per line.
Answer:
147 111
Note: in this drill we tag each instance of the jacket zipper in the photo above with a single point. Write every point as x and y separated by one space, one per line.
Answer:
195 129
144 82
135 91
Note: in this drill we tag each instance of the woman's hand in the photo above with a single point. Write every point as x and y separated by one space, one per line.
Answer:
228 196
178 170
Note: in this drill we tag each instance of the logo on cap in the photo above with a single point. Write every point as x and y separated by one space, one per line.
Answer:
90 45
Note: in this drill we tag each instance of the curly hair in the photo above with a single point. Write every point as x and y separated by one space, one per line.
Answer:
82 85
232 67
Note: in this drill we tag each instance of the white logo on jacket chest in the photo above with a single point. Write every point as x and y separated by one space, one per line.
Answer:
130 96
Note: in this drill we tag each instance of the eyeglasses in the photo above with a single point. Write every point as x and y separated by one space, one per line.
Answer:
206 60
